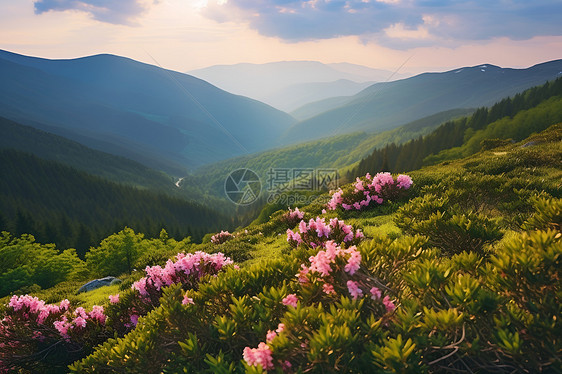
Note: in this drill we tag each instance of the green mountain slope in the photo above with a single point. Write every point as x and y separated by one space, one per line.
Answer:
56 148
335 152
132 109
420 299
385 106
516 118
59 204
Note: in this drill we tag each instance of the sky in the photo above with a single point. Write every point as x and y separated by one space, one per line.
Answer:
407 36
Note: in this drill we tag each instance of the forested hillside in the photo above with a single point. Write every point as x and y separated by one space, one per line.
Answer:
511 119
59 204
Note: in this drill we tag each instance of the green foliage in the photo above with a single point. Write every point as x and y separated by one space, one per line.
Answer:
116 254
548 215
446 226
26 263
531 111
67 207
459 295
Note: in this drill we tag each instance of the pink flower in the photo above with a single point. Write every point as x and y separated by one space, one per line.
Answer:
302 227
359 185
354 260
221 237
291 300
81 312
270 336
328 288
98 314
389 305
134 319
62 326
187 300
114 299
259 356
280 328
64 304
354 289
404 181
80 322
375 293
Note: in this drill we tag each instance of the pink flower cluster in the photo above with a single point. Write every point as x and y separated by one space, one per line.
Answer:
33 310
36 309
317 232
259 356
365 191
327 267
187 270
291 300
262 355
292 217
326 261
221 237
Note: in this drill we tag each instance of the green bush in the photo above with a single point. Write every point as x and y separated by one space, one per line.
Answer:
26 263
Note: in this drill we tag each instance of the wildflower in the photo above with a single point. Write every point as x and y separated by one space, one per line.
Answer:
187 300
134 319
259 356
79 321
354 289
328 288
291 300
375 293
114 299
354 260
270 336
389 305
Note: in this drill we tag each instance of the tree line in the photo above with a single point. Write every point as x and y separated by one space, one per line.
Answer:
61 205
411 155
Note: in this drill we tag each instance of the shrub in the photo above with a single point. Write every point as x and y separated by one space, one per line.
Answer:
446 226
26 263
221 237
369 190
316 233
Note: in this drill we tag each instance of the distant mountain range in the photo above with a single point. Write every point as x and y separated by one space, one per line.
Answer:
288 85
164 119
174 122
384 106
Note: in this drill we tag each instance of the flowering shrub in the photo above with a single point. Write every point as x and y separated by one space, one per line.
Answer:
336 270
30 325
334 273
370 190
221 237
317 232
292 217
186 270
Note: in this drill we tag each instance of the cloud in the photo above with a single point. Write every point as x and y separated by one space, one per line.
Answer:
396 23
110 11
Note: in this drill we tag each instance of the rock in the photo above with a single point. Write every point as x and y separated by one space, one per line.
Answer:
97 283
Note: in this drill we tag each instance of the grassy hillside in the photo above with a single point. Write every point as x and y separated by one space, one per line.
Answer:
460 272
